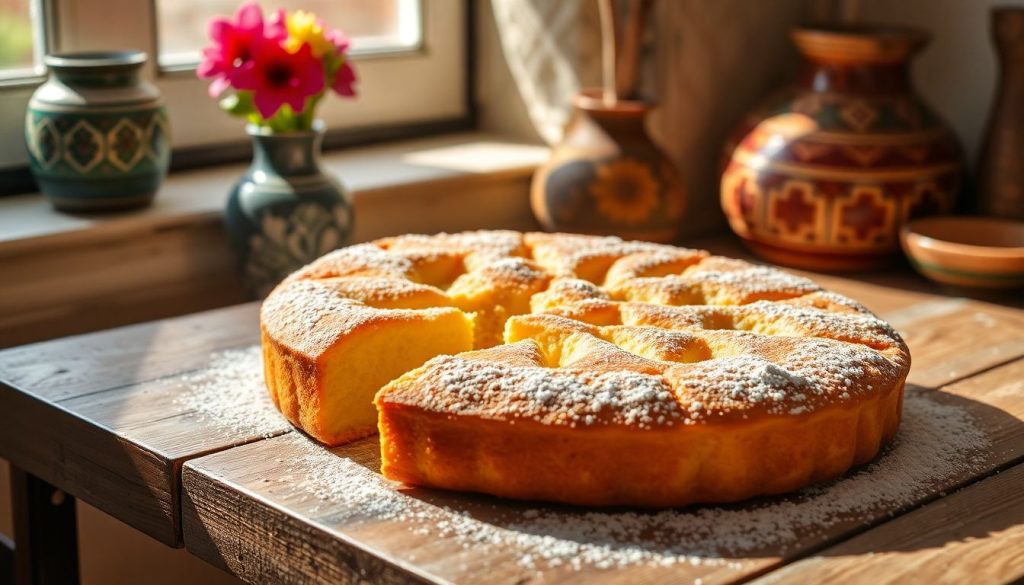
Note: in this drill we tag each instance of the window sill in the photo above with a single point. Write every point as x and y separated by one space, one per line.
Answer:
72 273
418 168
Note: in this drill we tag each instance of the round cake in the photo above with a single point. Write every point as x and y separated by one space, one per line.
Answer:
581 369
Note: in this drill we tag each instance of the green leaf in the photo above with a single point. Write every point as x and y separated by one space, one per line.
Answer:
238 104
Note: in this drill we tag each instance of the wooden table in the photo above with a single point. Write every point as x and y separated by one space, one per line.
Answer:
100 417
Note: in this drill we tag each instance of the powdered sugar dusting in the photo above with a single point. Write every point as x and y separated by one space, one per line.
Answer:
938 445
231 393
554 397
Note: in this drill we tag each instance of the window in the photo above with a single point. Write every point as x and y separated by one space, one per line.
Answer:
376 27
410 56
23 40
17 40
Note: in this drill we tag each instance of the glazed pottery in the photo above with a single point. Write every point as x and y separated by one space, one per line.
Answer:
1000 189
285 211
824 175
967 251
608 177
97 134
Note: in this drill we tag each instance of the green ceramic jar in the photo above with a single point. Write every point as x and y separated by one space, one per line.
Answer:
97 134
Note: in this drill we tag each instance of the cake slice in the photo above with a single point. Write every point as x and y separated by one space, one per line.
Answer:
329 345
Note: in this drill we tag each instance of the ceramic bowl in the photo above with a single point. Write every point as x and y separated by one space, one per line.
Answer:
967 251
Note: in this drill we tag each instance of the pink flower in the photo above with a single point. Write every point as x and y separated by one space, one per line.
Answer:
341 42
277 28
277 77
344 80
231 51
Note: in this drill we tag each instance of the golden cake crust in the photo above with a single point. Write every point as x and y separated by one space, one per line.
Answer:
602 372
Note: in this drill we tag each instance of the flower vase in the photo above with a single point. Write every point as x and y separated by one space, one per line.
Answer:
285 211
824 174
607 176
97 134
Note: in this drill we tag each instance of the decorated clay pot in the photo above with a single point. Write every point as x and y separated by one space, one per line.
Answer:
823 175
97 135
607 177
285 211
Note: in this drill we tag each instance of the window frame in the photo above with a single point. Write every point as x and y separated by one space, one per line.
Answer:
453 107
189 70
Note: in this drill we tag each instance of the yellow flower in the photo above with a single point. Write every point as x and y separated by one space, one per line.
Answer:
626 191
304 27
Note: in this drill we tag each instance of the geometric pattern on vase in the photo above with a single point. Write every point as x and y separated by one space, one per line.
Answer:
868 154
45 143
746 194
809 151
866 217
796 213
865 155
83 147
858 115
125 145
157 136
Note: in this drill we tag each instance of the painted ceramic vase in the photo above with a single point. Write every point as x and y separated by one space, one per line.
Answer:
607 177
1000 188
97 134
823 175
285 211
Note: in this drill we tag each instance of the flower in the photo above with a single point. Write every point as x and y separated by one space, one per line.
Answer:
339 40
344 80
305 28
277 77
345 76
286 59
231 50
626 191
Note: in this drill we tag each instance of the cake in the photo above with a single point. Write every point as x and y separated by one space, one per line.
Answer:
580 369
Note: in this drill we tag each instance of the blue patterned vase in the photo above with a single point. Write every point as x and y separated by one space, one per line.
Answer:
97 134
285 211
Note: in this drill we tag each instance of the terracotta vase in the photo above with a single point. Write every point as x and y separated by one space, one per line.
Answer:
823 175
607 177
1001 165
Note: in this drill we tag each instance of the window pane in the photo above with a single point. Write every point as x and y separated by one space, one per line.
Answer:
16 51
373 25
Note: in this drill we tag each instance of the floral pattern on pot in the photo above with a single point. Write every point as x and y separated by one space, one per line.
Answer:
626 191
608 177
294 238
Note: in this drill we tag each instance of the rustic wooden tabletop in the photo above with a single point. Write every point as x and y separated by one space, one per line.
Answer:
142 423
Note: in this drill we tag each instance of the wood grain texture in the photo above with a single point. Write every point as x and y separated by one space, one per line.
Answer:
74 366
288 533
952 340
975 535
98 415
